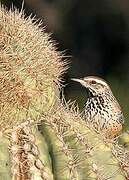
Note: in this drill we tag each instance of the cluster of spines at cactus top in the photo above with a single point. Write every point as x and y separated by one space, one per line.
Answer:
30 68
43 137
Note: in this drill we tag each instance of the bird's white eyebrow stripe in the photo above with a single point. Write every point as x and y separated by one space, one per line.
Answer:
97 80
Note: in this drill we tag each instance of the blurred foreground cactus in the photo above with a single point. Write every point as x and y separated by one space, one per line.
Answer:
41 137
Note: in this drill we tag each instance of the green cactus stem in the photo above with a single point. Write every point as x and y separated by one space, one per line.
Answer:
5 161
30 68
88 156
29 154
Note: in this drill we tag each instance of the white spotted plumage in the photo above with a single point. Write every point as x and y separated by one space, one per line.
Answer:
102 110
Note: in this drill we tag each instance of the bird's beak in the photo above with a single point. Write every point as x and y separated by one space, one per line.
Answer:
78 80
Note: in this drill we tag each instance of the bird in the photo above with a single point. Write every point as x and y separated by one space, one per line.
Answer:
101 110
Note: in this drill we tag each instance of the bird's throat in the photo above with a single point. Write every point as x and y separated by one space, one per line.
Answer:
91 93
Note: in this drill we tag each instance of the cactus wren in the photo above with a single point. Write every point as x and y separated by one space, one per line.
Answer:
102 110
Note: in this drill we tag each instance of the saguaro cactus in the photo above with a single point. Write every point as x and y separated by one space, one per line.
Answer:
41 137
29 68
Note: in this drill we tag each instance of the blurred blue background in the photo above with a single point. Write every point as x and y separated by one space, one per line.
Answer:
95 33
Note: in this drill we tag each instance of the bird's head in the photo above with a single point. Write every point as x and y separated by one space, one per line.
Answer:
94 84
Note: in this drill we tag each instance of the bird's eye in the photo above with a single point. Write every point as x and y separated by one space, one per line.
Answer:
93 82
